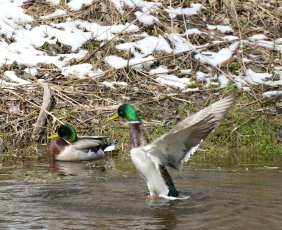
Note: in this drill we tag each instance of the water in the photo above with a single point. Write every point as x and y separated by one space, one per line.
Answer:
79 196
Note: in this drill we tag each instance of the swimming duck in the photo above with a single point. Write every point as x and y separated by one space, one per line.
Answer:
173 148
65 145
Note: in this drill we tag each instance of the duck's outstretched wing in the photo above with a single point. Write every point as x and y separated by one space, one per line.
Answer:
177 145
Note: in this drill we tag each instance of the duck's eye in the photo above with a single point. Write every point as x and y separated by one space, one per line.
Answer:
121 111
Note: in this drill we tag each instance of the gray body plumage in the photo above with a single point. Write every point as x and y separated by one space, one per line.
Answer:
85 148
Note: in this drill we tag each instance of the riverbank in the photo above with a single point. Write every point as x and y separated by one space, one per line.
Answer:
250 133
169 61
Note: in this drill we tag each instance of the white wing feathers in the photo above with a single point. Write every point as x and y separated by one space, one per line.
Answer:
177 145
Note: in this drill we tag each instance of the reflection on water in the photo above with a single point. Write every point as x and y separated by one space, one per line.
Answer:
80 169
105 196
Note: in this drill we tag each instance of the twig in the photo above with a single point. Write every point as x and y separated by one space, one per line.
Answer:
42 117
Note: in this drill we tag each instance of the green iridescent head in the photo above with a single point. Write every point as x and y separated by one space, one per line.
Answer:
67 132
128 112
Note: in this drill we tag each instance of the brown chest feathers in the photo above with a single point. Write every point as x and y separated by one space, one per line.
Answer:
137 135
56 146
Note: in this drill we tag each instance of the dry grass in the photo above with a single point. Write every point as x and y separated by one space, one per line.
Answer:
87 104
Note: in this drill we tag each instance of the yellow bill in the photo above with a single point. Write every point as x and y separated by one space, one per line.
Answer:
53 136
114 117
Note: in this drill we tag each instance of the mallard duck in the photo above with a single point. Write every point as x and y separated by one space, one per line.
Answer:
173 148
65 145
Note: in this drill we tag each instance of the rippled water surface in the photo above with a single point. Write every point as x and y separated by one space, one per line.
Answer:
79 196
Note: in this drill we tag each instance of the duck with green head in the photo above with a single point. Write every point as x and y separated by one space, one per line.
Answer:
66 145
173 148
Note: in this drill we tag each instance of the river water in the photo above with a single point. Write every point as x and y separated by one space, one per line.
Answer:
113 196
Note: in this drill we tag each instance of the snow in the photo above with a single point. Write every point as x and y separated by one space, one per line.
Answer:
221 28
26 42
278 41
12 18
13 13
80 70
55 2
272 93
180 45
218 58
269 45
273 45
206 77
257 78
173 12
116 62
11 75
200 76
127 28
192 32
32 71
230 38
257 37
160 70
223 80
55 14
136 63
27 55
146 46
76 5
241 83
246 60
254 78
81 31
113 84
173 81
146 18
9 85
186 71
169 80
144 5
41 34
262 78
190 90
118 5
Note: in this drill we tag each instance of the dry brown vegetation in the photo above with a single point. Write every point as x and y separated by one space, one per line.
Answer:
87 105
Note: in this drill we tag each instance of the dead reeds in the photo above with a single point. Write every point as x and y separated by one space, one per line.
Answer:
87 103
